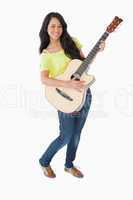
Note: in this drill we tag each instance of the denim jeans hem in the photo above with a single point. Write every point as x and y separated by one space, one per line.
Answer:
68 165
43 165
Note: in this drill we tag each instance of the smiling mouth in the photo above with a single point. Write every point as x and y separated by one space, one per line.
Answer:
56 35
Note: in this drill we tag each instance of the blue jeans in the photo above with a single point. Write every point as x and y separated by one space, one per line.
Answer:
70 126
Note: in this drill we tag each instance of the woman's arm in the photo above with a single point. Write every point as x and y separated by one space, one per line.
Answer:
51 81
45 79
82 54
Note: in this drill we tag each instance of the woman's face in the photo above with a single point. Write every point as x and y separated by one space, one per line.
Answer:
54 29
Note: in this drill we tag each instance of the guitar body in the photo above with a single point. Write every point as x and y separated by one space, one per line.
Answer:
77 98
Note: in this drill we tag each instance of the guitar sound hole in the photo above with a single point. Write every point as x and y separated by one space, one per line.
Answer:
74 78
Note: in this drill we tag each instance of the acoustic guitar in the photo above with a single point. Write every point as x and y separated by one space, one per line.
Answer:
69 100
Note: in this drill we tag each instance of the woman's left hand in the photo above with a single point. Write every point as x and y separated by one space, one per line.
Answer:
102 46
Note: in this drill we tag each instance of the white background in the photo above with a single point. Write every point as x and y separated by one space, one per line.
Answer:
28 123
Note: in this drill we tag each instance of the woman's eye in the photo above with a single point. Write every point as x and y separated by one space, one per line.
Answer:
55 26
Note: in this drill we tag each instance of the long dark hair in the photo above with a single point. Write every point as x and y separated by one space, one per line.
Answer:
66 40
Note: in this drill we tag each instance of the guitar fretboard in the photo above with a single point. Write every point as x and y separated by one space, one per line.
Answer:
85 64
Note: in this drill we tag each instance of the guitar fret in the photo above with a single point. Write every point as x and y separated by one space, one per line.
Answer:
91 55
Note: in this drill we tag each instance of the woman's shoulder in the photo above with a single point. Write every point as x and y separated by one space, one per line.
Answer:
44 53
77 42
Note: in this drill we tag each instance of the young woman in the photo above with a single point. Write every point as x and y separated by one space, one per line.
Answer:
57 49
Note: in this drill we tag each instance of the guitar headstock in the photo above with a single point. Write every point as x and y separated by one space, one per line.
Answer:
116 21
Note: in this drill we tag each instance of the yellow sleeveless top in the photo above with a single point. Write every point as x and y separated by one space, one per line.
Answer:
56 62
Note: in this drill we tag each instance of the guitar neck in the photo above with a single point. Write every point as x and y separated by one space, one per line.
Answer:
85 64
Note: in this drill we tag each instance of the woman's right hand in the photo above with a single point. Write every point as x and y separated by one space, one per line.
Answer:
77 85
